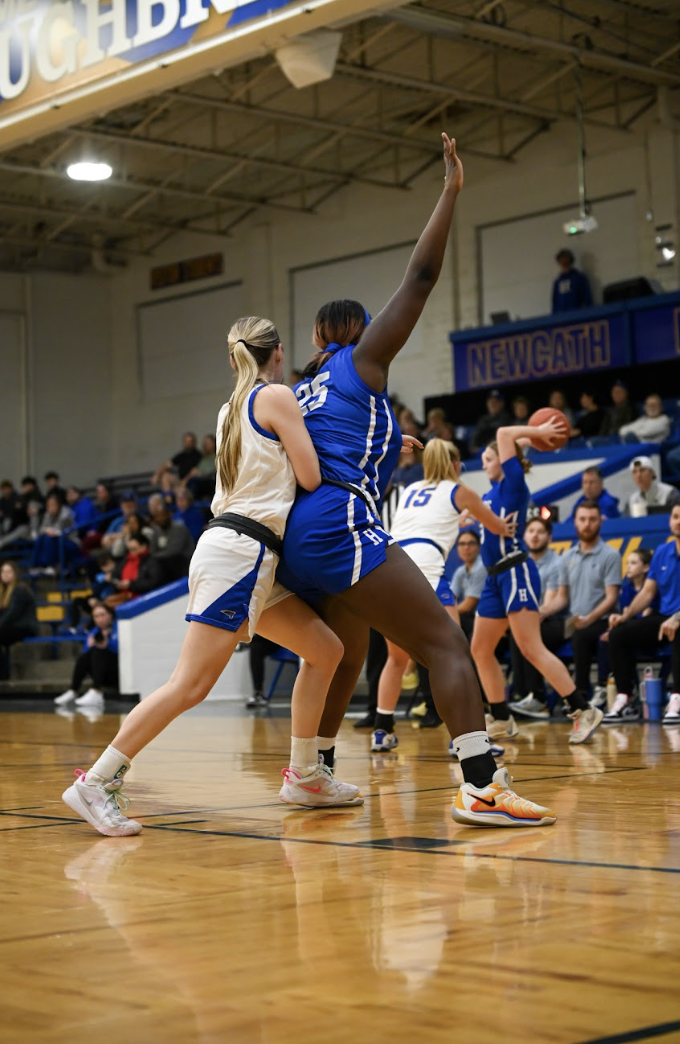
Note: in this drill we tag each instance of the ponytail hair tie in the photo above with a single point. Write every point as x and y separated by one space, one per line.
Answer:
333 347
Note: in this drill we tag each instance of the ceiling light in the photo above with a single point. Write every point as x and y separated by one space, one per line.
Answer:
88 171
668 253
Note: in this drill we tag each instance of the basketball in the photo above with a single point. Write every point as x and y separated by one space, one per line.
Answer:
542 417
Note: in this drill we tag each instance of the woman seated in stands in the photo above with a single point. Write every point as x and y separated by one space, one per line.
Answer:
201 479
46 553
138 573
98 661
18 619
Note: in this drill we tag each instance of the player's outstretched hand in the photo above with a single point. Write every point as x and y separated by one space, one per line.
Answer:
408 442
453 167
509 528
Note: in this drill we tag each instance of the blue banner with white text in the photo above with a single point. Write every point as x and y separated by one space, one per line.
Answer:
614 336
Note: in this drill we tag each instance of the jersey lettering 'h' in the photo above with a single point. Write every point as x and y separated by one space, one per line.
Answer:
353 428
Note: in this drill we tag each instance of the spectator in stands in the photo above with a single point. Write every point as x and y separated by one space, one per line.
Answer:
436 423
558 401
52 485
111 538
171 541
592 486
106 504
468 580
528 683
496 417
46 553
620 412
18 618
98 661
34 503
521 408
650 492
590 580
83 510
591 418
138 573
187 512
201 479
181 464
571 289
13 515
654 426
102 587
630 633
133 525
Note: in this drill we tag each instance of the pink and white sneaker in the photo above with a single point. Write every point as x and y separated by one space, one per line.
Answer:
100 805
320 789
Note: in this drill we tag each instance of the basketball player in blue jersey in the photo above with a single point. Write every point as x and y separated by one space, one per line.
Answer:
336 553
512 591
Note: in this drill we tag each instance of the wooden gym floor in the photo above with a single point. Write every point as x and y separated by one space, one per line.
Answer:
233 918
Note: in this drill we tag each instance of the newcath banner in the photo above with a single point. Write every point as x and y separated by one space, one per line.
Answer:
62 61
540 350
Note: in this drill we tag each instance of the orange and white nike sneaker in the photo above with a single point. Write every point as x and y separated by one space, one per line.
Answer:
498 806
320 789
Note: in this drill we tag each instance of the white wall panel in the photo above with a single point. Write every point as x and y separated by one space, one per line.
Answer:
182 341
517 256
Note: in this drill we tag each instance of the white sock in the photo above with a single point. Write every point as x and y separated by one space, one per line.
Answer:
379 710
326 742
304 756
470 744
109 766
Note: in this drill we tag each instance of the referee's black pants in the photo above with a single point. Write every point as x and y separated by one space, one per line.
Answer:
639 636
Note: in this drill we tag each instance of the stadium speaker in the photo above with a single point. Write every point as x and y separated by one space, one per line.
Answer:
311 58
627 290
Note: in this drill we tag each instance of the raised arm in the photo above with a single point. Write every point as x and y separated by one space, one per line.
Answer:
276 409
507 437
467 499
390 330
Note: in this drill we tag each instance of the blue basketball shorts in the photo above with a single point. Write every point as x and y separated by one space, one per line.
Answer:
509 592
232 578
332 541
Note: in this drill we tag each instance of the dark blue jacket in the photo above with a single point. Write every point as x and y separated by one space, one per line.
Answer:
609 505
571 290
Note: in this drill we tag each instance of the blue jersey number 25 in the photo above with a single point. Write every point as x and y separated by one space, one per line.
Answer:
312 396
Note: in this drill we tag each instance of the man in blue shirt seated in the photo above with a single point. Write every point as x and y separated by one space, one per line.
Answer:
571 289
593 489
630 633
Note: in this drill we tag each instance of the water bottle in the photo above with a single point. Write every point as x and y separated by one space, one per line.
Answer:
653 696
611 692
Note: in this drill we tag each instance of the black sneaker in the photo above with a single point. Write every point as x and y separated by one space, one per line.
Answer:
624 709
431 720
367 722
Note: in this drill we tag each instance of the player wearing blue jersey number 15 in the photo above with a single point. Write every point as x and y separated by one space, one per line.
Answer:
336 552
512 591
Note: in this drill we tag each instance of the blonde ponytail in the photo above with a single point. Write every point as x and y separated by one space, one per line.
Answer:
251 343
437 460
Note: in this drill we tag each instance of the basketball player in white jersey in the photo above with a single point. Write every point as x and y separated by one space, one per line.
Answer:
426 525
263 451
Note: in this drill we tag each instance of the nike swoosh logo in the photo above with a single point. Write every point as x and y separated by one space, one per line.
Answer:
312 790
88 802
491 804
